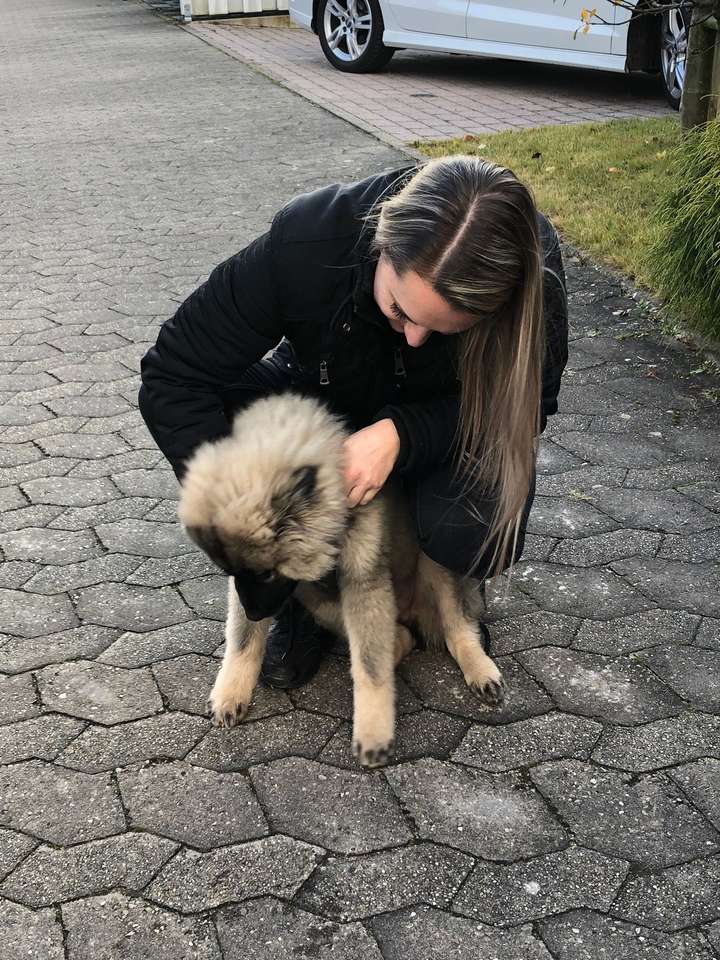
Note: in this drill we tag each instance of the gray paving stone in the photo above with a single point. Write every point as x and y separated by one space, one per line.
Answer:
12 415
616 451
672 899
713 935
30 615
538 548
273 928
69 491
585 935
40 737
362 887
708 634
672 475
40 470
694 587
693 443
701 782
140 609
186 682
16 573
74 576
601 549
494 816
57 805
11 498
207 596
103 371
82 446
553 459
660 744
79 518
107 466
17 454
199 807
21 654
297 734
645 820
343 811
330 692
421 734
594 686
160 484
560 517
88 406
24 933
97 692
145 539
14 847
636 632
139 649
696 548
580 481
508 894
706 493
51 876
532 630
438 682
165 511
527 742
692 672
18 699
168 736
665 511
161 573
115 927
581 591
505 601
428 934
194 882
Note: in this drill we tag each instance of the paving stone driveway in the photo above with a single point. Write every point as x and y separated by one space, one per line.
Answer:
426 96
581 822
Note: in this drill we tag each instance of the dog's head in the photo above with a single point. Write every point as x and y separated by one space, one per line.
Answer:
267 503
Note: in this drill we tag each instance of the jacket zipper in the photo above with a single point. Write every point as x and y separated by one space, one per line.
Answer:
324 378
399 363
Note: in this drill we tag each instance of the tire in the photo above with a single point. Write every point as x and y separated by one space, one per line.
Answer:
673 54
350 33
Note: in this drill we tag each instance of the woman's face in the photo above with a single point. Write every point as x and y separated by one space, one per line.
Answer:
413 308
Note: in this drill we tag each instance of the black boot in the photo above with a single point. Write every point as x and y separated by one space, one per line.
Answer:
295 648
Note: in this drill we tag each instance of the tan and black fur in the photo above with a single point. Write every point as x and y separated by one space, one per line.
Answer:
267 504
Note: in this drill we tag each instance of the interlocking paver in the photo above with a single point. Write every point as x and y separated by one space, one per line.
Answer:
25 933
39 737
508 894
587 935
14 847
31 615
428 934
701 782
645 820
343 811
21 654
674 898
199 807
97 692
693 673
194 882
52 875
663 743
116 927
494 816
636 632
380 882
129 607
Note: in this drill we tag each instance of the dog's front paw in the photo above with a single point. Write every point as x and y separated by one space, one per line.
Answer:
228 703
370 754
490 692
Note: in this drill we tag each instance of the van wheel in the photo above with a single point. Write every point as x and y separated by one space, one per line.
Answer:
351 34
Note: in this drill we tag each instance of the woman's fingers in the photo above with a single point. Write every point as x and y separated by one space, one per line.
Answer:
361 495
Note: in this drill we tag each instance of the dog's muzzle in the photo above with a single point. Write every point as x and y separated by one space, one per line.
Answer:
260 599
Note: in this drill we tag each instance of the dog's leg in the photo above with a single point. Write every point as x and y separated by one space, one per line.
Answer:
369 612
244 650
461 634
404 642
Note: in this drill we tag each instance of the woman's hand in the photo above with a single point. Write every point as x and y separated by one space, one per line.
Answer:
370 455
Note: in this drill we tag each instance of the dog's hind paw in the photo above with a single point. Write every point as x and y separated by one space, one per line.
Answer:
372 756
491 692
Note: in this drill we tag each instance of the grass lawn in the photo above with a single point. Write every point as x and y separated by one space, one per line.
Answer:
597 181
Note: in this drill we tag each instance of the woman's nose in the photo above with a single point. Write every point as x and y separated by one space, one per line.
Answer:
415 335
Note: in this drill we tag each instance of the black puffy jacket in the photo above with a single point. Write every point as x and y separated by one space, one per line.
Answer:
309 279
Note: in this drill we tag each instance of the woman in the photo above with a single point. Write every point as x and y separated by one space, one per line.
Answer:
427 307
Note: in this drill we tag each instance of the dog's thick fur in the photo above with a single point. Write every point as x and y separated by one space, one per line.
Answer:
269 499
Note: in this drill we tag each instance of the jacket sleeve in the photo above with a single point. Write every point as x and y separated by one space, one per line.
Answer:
427 430
227 324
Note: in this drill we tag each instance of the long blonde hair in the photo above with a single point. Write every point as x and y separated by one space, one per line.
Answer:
469 228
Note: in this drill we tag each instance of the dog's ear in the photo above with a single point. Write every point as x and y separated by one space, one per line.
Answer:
209 541
298 493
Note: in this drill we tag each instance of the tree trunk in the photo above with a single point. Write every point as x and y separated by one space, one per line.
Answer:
697 100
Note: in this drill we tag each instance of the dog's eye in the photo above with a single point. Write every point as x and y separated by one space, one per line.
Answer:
266 576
